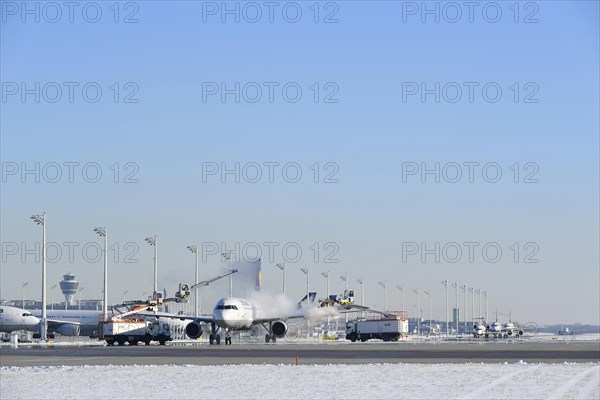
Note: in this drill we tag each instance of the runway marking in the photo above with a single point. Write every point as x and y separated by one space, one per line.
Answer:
477 394
573 383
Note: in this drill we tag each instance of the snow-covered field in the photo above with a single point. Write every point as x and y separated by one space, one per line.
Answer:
372 381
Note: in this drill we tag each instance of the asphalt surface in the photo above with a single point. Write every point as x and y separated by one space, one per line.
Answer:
285 353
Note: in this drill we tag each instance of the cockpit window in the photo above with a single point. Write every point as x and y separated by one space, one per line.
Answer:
226 307
26 314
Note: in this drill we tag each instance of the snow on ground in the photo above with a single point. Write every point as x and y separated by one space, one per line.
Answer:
373 381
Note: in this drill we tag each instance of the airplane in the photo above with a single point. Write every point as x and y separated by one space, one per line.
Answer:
239 314
499 330
72 322
565 331
16 319
65 322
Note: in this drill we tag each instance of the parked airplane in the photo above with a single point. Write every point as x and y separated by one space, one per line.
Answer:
65 322
72 322
15 319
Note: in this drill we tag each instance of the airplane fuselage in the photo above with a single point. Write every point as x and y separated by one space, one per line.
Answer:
14 319
234 313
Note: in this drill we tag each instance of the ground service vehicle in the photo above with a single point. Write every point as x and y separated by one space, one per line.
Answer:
387 328
134 330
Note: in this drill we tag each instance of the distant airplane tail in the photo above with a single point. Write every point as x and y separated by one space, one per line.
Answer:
166 303
312 297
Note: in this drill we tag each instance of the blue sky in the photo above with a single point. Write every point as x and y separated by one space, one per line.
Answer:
366 57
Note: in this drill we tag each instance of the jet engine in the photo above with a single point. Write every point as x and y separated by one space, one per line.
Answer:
193 330
68 330
279 329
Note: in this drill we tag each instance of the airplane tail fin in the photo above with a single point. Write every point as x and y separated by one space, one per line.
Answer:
166 303
312 296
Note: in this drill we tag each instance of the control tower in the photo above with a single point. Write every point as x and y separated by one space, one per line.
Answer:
69 287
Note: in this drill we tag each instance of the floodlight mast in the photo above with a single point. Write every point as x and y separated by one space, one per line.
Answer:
445 283
103 232
464 289
472 290
485 293
384 286
479 297
153 241
361 282
41 220
307 273
52 296
23 294
345 279
326 276
194 249
227 256
281 266
418 311
401 289
428 293
455 286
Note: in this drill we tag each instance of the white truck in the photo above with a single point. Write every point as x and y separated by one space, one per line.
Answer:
387 328
134 330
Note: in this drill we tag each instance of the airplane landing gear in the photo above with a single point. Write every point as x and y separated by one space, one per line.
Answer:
214 337
269 336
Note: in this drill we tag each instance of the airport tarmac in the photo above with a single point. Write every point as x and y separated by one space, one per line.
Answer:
285 353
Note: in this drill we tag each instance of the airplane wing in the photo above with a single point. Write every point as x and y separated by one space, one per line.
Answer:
59 322
204 318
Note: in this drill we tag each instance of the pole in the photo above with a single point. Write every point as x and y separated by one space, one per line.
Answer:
345 279
402 290
479 296
464 289
307 286
197 310
486 305
445 283
472 290
105 294
428 293
418 314
155 263
457 312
